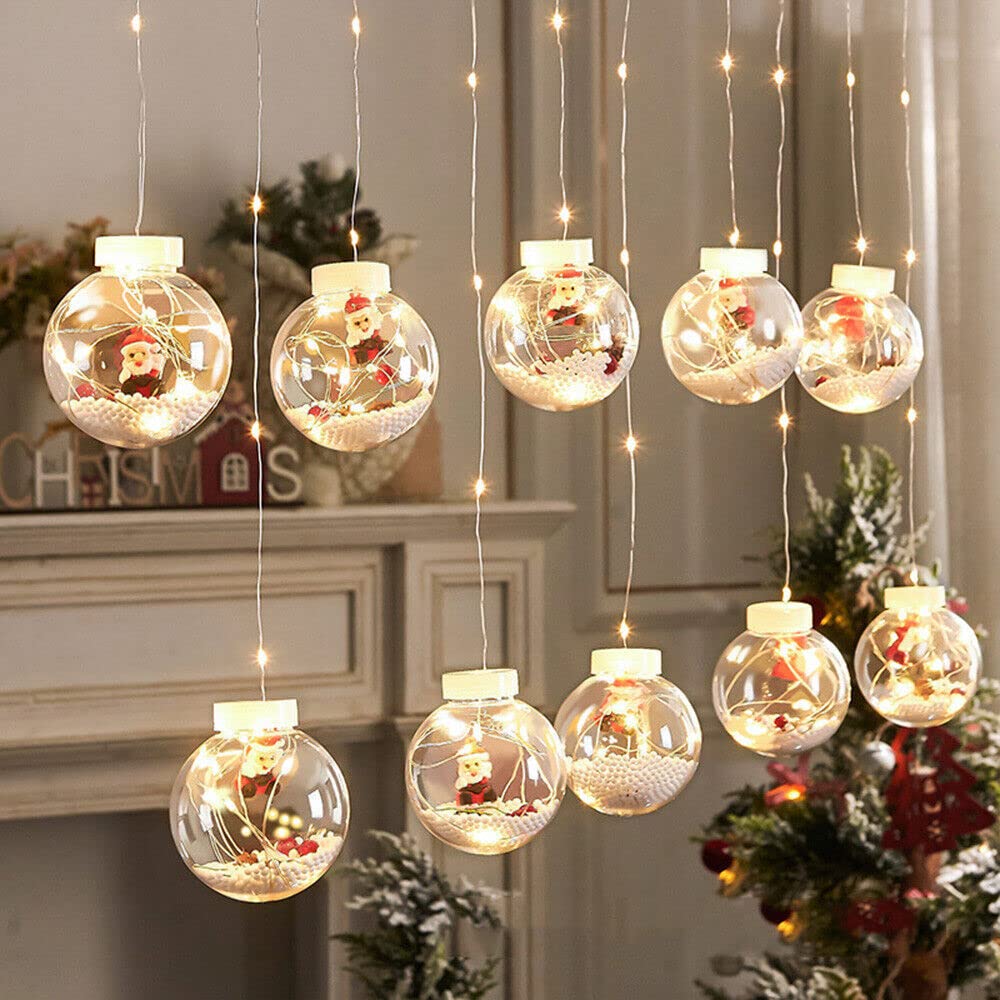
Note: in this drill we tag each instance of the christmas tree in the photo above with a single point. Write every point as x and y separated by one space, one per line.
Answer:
876 859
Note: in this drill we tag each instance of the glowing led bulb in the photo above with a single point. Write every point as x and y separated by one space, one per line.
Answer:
137 354
622 71
356 25
259 811
631 444
784 421
727 62
777 248
560 334
261 657
861 244
734 237
732 333
136 23
355 237
904 98
382 364
918 663
911 257
558 21
779 76
631 737
780 687
564 214
256 204
473 80
851 78
477 282
485 772
479 488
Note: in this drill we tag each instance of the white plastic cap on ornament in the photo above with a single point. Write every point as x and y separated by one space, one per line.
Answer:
350 275
736 262
914 598
479 685
138 252
864 280
621 662
779 618
254 716
555 253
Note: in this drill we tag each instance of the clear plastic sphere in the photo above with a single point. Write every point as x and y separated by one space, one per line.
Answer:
259 813
781 688
732 333
137 354
862 345
354 366
918 663
560 334
485 772
632 739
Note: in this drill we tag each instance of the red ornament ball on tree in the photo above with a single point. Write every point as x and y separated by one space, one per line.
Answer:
716 856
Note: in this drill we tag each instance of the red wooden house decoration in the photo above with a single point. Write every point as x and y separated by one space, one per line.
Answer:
228 458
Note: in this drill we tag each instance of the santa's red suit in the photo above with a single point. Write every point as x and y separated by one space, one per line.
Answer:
476 794
141 365
564 305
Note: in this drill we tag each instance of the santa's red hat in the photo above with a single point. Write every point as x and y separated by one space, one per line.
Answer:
137 336
266 741
356 303
569 271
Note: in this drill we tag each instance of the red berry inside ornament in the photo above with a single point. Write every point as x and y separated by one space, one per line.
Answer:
307 847
286 845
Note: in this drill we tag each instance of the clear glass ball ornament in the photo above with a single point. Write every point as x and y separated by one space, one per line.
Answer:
560 334
137 354
862 345
631 737
780 687
354 366
732 333
260 810
485 772
918 663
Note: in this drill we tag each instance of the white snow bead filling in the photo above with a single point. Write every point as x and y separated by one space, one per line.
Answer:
866 392
358 431
568 383
627 786
275 877
136 421
747 380
488 830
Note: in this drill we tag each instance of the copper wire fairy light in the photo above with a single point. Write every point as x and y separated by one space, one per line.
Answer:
910 258
624 629
477 283
256 207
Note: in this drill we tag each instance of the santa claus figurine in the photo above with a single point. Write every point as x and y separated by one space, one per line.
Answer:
474 782
364 337
564 303
142 364
734 299
259 770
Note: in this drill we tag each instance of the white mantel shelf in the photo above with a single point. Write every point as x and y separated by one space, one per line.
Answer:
25 536
121 628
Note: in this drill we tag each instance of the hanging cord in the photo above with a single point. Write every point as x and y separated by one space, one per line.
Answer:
477 284
137 26
910 258
727 66
558 22
861 244
630 442
256 206
779 76
784 420
356 30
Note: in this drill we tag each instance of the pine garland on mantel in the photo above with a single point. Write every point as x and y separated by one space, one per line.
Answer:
870 907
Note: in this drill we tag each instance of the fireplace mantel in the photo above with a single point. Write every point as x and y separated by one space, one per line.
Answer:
122 628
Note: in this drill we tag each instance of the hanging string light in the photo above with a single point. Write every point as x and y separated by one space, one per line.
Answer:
918 663
781 687
485 772
863 346
561 334
137 354
732 333
354 366
631 737
260 810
